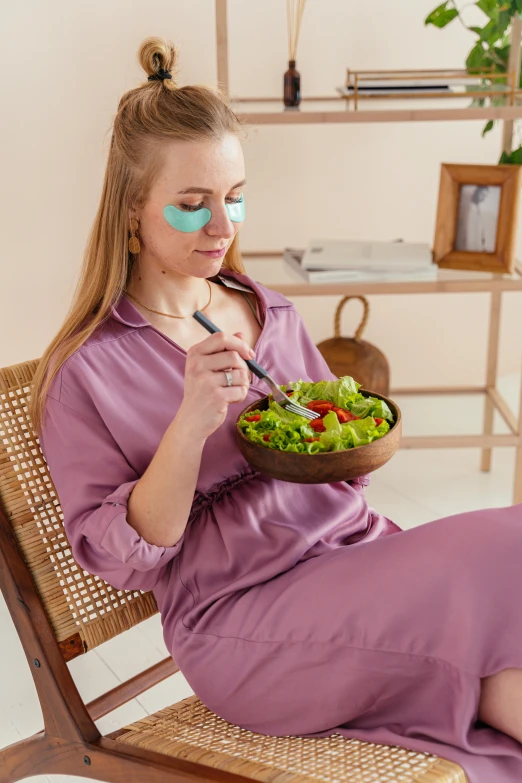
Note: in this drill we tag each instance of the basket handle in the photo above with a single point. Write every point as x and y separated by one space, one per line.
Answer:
364 321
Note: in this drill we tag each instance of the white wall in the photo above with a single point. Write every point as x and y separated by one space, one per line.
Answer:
65 66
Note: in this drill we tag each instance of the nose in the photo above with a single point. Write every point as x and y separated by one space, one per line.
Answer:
220 224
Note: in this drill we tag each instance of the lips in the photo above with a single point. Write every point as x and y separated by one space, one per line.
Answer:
213 253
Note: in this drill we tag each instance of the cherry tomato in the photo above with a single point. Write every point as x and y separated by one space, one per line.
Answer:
344 415
378 421
313 404
267 436
317 425
322 410
257 417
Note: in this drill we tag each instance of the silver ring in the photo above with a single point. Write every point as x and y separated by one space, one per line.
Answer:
228 376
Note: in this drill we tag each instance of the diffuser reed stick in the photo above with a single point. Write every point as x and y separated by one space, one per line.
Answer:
294 12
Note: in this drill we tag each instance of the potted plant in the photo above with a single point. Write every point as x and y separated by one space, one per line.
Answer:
490 51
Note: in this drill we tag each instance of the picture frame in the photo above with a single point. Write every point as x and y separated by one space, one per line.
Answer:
476 217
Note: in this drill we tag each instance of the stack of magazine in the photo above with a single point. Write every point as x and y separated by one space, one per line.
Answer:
345 261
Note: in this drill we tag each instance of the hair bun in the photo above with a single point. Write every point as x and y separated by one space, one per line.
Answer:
157 56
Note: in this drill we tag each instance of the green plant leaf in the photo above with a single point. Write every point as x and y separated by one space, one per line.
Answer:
490 8
441 16
475 59
487 127
514 157
488 32
491 62
436 11
502 52
495 29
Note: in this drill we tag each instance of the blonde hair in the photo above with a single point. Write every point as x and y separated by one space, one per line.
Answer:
156 111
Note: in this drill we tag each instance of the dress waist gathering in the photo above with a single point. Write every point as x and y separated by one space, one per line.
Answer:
203 500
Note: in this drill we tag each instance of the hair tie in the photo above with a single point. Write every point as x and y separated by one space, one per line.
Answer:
160 75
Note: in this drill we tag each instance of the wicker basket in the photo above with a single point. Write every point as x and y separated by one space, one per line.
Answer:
354 356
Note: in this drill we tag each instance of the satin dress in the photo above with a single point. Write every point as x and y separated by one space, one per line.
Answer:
291 609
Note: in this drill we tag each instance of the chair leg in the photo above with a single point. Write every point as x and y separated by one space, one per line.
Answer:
105 760
24 758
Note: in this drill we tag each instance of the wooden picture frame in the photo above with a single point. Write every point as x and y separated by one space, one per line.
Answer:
468 236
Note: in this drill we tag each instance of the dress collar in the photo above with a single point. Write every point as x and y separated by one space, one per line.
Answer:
125 312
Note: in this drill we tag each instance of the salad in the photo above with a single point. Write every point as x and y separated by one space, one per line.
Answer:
347 419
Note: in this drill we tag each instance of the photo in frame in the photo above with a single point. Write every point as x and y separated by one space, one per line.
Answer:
477 217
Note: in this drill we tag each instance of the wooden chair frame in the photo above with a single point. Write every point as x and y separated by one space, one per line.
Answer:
70 743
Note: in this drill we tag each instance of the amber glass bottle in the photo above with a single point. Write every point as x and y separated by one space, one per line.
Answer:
292 85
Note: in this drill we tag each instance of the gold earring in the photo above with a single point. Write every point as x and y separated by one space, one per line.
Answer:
134 242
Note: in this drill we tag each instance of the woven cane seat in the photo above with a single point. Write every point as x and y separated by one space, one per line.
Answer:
190 731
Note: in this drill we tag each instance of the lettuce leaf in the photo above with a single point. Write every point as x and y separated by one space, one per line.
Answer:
288 431
339 392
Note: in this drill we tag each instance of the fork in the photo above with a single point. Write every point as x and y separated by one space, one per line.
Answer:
279 396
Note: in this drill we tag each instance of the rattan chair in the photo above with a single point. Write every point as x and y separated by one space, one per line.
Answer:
60 611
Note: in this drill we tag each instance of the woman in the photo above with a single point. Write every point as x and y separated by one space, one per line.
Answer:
290 609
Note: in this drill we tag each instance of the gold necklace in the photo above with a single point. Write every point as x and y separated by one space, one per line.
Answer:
169 315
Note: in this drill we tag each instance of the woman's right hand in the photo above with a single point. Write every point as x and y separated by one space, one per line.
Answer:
206 396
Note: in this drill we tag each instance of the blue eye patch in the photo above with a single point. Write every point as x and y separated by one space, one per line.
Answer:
193 221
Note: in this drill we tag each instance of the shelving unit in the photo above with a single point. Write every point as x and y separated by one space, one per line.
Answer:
269 269
335 109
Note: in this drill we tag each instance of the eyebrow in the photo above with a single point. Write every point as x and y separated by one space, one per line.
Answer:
206 190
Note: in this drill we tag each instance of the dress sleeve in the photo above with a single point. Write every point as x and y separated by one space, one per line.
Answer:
317 369
93 480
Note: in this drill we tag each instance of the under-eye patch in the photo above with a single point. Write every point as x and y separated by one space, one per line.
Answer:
193 221
186 221
236 211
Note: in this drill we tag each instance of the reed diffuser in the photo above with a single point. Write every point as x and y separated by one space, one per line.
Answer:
292 78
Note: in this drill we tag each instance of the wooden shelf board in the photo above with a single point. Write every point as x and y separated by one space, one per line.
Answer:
389 115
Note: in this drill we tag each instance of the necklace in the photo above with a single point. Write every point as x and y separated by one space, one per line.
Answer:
169 315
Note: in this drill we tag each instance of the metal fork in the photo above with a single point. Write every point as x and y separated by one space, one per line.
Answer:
279 396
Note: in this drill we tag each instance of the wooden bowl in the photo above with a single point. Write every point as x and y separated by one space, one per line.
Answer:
325 467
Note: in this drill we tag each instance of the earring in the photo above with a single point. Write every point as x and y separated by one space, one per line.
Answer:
134 242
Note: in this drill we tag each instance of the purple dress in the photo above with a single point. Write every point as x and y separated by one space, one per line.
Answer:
289 608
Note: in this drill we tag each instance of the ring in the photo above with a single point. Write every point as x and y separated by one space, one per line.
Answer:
228 376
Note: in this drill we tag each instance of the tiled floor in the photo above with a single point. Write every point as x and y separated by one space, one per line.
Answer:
415 487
